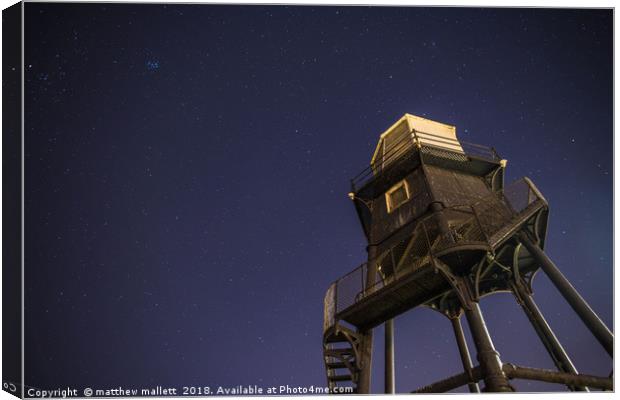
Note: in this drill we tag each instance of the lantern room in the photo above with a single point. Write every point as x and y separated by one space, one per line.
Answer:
419 164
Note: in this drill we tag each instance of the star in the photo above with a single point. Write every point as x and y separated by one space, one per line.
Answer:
152 65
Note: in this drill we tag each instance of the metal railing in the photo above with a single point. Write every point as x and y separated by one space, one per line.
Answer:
462 226
521 194
329 307
435 233
401 150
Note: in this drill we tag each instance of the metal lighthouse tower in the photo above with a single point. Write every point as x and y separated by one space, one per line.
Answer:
443 231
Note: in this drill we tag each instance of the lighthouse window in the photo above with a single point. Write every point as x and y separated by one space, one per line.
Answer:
397 195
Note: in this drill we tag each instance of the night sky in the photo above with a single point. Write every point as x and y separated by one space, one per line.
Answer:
187 170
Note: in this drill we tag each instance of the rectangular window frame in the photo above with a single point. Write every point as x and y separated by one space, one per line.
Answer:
388 199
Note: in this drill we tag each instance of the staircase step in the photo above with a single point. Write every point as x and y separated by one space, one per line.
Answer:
339 351
336 365
336 338
340 378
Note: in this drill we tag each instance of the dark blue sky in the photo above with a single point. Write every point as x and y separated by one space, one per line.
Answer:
187 170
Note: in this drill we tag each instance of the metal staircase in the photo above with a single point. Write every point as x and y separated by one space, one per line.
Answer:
341 356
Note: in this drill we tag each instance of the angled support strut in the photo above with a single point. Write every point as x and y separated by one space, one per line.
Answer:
559 356
464 351
581 307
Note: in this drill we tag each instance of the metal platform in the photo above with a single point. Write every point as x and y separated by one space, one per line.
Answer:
407 274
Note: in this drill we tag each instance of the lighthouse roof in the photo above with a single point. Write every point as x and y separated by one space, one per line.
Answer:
424 131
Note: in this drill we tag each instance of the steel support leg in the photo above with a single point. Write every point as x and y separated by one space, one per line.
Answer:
390 381
363 386
494 378
581 307
546 335
464 351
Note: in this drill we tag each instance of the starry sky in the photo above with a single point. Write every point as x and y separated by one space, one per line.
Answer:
187 170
